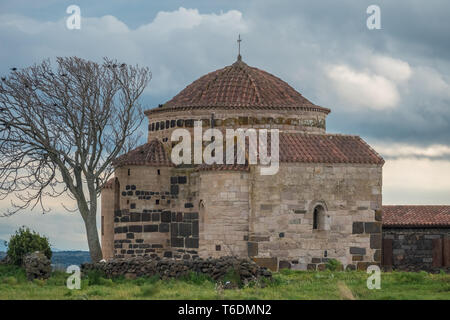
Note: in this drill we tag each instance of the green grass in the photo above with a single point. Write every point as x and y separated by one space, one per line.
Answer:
287 284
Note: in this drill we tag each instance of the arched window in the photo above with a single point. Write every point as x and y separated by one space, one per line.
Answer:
319 218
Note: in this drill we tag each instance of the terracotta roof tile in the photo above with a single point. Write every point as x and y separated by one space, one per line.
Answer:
326 148
239 86
416 216
151 154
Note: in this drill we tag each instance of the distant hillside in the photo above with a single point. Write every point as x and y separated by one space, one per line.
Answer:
63 259
2 245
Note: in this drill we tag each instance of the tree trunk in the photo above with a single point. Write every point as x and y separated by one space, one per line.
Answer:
92 237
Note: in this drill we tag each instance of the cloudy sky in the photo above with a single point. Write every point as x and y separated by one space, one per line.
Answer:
390 86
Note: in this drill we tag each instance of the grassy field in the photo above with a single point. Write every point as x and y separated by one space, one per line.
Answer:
287 284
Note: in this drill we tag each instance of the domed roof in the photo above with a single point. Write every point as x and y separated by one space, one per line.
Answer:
239 86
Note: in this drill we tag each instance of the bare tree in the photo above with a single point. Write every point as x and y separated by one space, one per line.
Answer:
60 128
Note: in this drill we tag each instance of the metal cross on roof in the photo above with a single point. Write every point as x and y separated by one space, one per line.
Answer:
239 40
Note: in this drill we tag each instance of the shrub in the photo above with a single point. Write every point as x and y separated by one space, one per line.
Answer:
148 290
233 278
196 278
95 278
24 242
333 265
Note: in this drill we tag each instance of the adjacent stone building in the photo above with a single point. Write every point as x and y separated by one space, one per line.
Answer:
416 237
324 202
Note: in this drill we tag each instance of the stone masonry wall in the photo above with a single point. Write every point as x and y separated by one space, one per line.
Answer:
281 219
181 213
224 198
156 216
412 248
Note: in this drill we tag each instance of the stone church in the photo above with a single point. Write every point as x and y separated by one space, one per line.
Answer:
324 202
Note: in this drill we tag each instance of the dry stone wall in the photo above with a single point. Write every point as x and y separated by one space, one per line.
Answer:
217 269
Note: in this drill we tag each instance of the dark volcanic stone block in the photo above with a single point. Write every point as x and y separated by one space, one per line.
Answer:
130 235
194 215
173 180
174 229
191 242
188 205
284 265
151 228
168 254
182 180
179 216
135 228
139 240
185 229
195 228
125 219
166 216
358 227
356 250
146 216
135 216
177 242
155 216
372 227
157 245
174 189
375 241
163 227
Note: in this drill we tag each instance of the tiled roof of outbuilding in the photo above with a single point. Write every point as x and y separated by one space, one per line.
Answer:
239 86
416 216
151 154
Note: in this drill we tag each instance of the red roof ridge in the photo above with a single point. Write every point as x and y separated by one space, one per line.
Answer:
416 215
